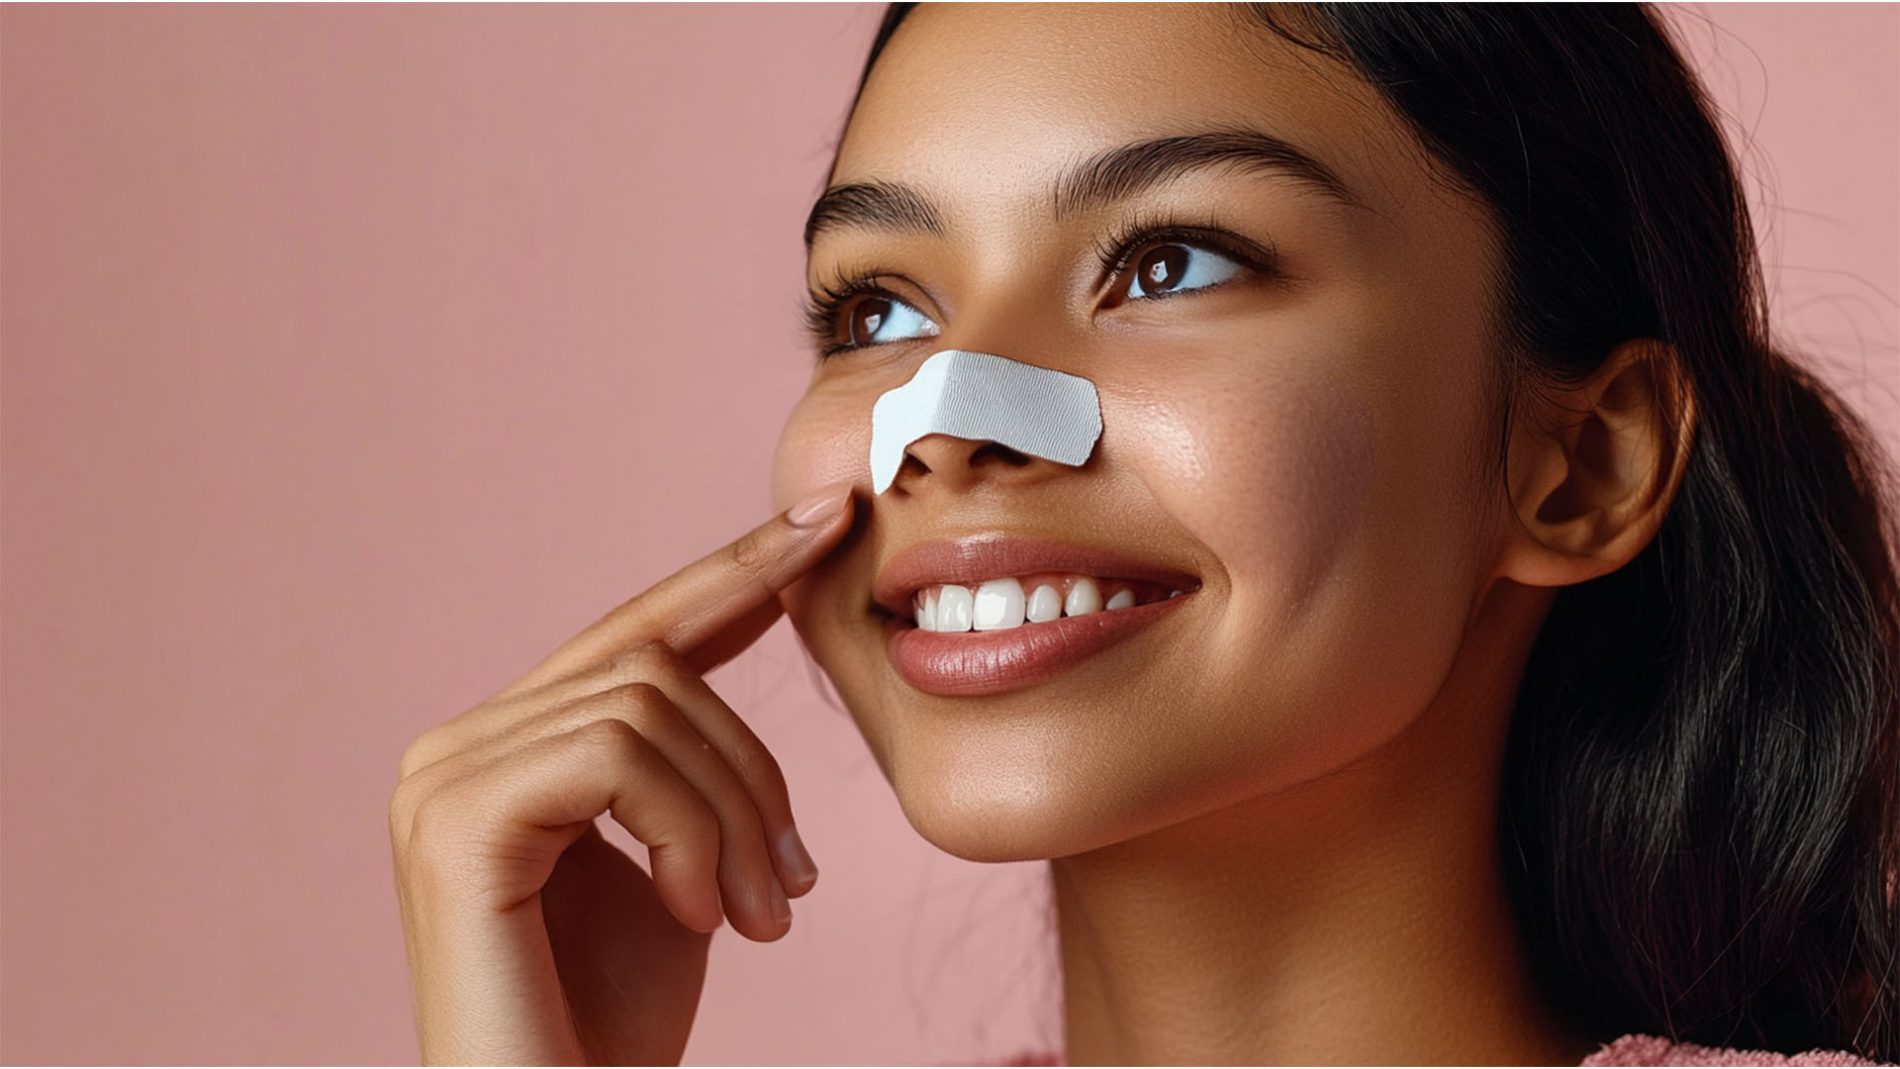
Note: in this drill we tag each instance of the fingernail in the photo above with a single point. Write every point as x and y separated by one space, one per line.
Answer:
781 909
820 508
791 850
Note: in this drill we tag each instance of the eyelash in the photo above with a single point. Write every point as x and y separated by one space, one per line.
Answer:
1114 252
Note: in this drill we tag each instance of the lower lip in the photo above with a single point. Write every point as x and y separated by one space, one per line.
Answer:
970 663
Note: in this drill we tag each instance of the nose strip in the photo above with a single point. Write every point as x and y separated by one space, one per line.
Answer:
1036 410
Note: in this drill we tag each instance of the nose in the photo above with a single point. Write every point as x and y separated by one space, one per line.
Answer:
966 414
956 464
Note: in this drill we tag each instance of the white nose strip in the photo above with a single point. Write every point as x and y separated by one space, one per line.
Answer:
1050 414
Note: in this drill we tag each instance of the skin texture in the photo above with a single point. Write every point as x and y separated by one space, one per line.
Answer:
1271 814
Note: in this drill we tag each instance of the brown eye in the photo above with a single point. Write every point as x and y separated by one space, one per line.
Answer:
1178 267
878 319
866 318
1162 269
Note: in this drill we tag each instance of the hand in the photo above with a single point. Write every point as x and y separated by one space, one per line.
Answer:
530 938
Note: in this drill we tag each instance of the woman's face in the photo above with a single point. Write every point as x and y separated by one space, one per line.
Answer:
1303 431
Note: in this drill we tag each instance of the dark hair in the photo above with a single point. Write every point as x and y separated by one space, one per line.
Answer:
1700 794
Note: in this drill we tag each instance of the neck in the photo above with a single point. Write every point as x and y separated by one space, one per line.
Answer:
1359 917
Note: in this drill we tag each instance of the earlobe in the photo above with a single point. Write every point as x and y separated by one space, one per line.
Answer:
1593 467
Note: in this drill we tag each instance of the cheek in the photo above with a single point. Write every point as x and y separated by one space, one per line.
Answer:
1318 479
826 440
1271 472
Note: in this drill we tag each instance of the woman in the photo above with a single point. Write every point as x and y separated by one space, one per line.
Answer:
1530 694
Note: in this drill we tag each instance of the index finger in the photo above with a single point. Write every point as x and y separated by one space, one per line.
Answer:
716 606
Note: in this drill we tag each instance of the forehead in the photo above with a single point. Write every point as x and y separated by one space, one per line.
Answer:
973 99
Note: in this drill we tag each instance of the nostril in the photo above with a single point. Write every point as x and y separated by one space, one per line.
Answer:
927 455
1001 452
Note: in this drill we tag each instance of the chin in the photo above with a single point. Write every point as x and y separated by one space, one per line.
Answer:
981 806
980 835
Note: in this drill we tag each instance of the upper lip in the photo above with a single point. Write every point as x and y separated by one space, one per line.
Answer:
974 558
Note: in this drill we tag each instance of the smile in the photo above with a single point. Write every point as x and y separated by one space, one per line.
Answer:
1000 604
950 632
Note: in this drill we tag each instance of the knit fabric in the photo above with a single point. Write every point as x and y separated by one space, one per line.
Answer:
1638 1049
1633 1049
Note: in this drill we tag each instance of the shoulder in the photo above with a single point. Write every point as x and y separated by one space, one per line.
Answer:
1640 1049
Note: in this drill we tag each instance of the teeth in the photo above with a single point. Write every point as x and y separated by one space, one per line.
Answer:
999 605
1044 605
1084 598
954 606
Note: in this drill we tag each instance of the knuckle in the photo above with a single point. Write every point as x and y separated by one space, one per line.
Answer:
639 702
440 740
433 820
660 655
419 754
691 822
749 552
616 736
405 846
645 660
428 817
402 800
398 821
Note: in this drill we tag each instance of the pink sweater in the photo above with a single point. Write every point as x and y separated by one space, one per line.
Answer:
1632 1049
1637 1049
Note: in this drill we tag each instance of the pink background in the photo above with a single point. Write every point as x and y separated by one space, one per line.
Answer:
355 356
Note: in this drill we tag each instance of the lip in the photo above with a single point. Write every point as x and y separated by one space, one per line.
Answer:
968 664
993 555
972 663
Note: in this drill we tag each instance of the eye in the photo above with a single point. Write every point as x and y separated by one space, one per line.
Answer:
1176 267
880 319
1170 256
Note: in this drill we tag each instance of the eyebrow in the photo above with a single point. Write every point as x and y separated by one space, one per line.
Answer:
1115 174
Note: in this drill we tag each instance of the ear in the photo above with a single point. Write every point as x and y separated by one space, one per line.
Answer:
1594 467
